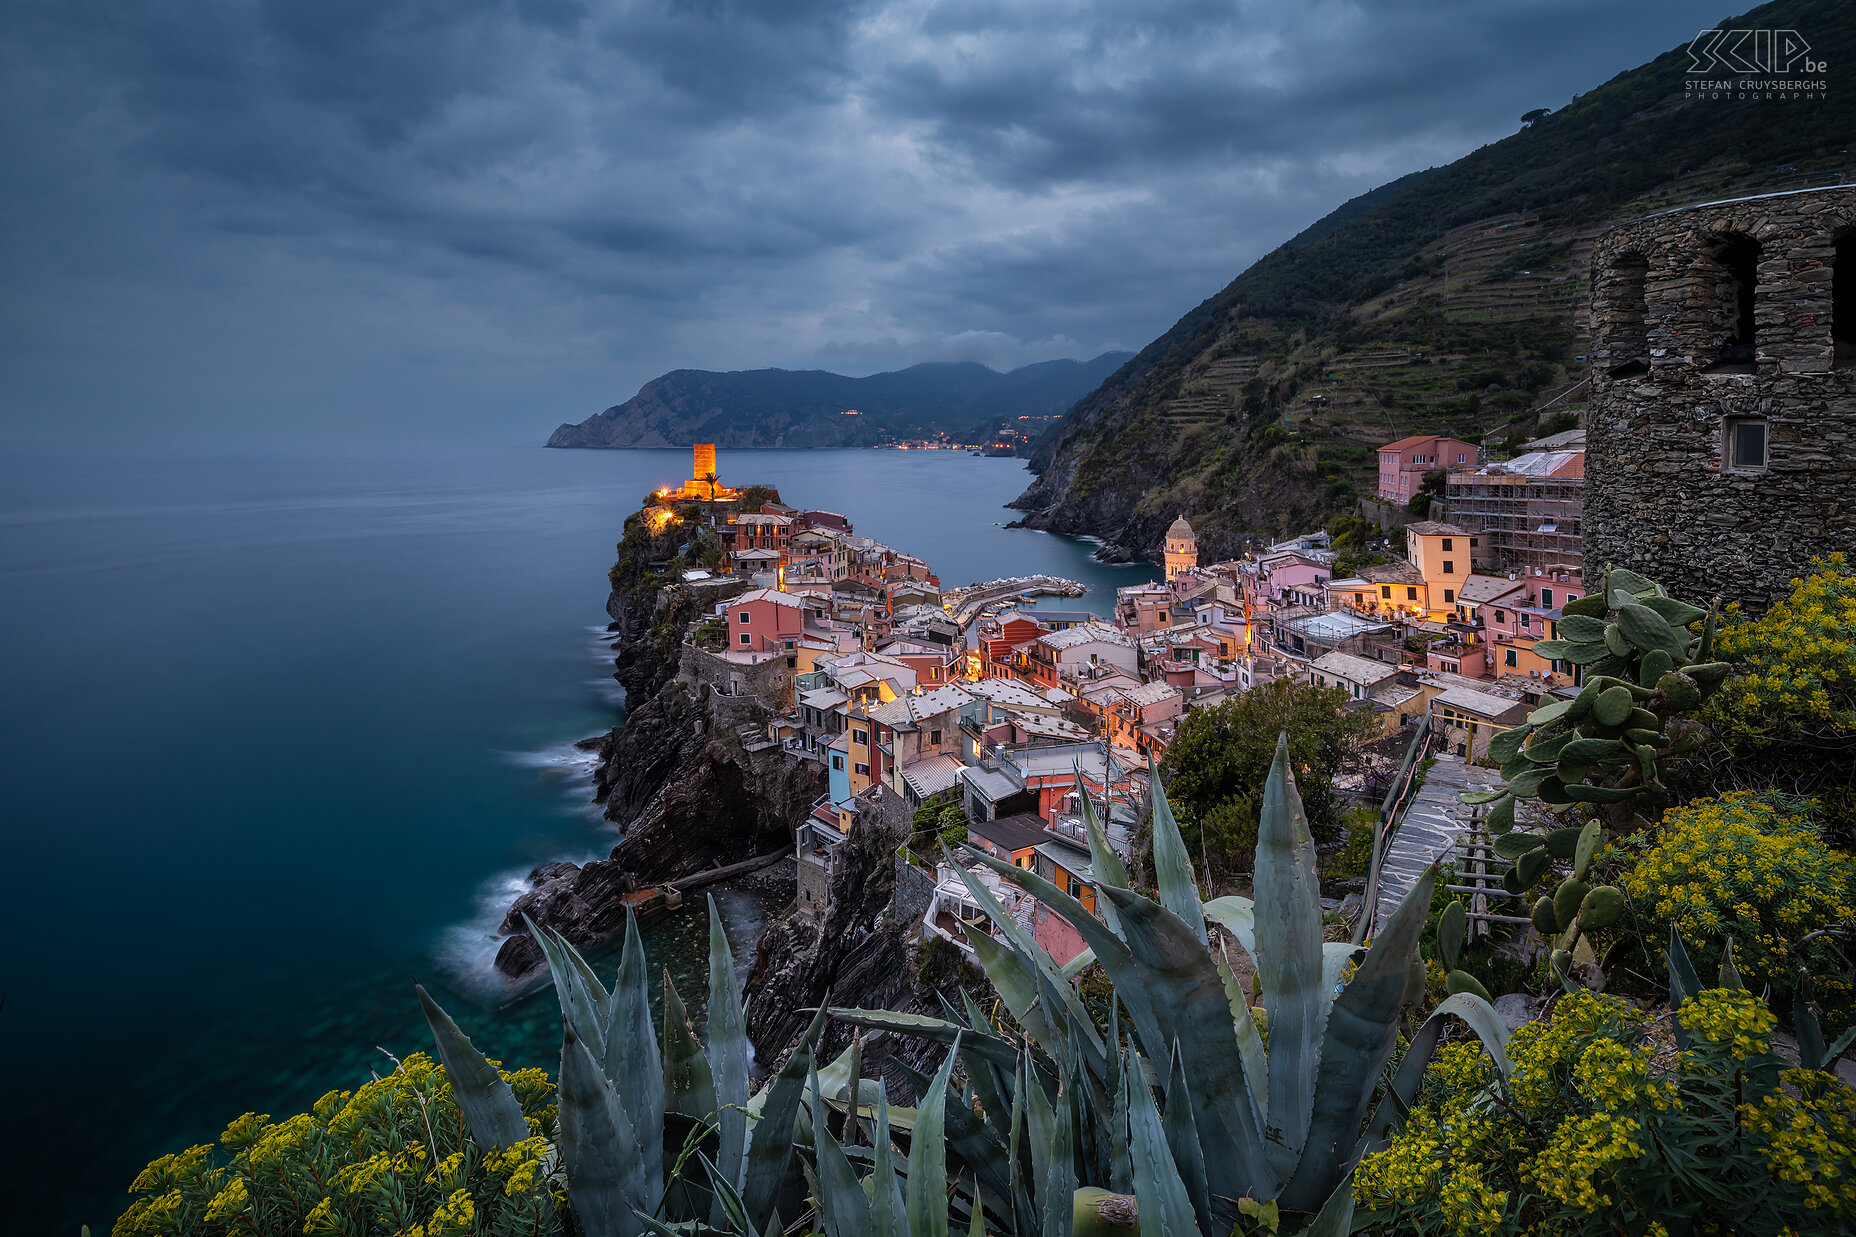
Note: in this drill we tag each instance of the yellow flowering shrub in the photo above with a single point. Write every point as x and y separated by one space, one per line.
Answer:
1594 1133
393 1156
1751 867
1800 658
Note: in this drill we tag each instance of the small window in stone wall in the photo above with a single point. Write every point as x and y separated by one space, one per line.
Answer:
1745 443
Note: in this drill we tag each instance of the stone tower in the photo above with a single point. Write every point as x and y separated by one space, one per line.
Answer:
1182 549
703 466
1721 436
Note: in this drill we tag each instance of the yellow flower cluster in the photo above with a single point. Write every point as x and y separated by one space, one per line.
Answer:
1612 1076
1801 657
1581 1150
1544 1053
524 1164
1810 1134
1468 1205
1749 866
1406 1171
1733 1020
392 1155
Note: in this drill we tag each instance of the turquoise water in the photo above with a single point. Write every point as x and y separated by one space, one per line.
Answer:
278 732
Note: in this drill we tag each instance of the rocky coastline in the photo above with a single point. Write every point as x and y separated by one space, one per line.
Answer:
675 777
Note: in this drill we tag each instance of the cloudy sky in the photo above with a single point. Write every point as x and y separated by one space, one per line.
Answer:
310 219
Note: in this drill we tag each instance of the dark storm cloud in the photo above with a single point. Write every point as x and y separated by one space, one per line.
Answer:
401 211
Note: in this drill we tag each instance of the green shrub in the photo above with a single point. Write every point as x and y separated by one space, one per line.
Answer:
1589 1131
1752 868
394 1156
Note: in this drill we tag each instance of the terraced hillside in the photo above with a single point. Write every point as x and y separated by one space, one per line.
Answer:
1450 301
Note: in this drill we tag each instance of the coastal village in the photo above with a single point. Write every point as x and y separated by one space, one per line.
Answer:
911 694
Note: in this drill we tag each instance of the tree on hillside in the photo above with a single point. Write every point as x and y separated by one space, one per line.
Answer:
1218 761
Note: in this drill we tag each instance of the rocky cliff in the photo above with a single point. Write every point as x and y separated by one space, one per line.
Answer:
676 777
864 952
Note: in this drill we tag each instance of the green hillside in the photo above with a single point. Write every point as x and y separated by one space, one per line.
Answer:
1451 300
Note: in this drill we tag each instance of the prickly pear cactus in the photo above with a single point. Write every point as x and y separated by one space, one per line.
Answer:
1644 668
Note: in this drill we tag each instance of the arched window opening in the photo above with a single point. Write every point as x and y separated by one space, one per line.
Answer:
1737 262
1843 300
1625 322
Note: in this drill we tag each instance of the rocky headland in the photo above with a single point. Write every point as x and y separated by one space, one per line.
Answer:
676 777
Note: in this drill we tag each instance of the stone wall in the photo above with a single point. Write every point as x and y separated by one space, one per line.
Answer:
769 681
1673 374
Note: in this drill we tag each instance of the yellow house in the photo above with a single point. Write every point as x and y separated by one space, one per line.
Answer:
1442 554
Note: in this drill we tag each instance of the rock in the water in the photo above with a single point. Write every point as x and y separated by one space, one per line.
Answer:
519 956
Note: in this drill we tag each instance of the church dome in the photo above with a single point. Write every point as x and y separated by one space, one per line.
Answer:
1181 531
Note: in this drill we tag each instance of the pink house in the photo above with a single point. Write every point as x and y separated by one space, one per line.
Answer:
1402 464
765 620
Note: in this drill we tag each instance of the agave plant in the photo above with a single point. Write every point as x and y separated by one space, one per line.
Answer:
1238 1120
1176 1120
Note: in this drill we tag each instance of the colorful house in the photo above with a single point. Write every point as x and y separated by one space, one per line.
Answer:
1442 554
1402 464
765 620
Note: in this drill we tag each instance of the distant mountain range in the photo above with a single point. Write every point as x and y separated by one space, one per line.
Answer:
810 408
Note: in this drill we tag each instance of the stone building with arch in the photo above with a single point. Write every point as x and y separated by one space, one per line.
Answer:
1721 435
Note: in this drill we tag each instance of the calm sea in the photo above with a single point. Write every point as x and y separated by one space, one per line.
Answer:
279 732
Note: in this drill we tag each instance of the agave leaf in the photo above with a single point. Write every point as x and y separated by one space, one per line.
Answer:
926 1193
841 1200
1730 974
1481 1018
1103 861
578 1008
689 1086
976 1144
988 1046
1362 1031
770 1144
1033 955
1684 984
1811 1051
888 1218
489 1106
1335 1219
1336 956
728 1202
604 1170
728 1057
1288 959
1839 1045
1249 1045
1081 962
1179 893
1014 978
1238 916
1165 1208
1110 950
1182 1140
1120 1173
1040 1130
633 1061
1452 929
1018 1195
1059 1183
1190 1006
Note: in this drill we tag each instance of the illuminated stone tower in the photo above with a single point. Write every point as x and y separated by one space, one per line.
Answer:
1182 549
702 471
